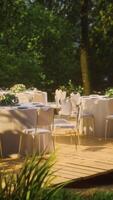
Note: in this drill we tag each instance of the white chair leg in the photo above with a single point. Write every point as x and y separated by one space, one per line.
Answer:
71 137
53 141
39 143
87 126
20 144
80 126
54 138
1 148
93 125
106 128
44 145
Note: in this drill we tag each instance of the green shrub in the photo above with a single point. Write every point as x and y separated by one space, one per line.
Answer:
109 92
71 195
66 194
70 87
32 182
8 100
101 196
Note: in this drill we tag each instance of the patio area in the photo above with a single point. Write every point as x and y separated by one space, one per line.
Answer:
93 156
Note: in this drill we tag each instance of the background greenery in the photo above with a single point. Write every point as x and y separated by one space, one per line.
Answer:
40 43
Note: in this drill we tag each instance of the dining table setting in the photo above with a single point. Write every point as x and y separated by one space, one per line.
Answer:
100 106
19 111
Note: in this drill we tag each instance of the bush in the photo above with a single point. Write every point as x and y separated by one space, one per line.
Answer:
66 194
8 100
70 87
109 92
32 182
101 196
18 88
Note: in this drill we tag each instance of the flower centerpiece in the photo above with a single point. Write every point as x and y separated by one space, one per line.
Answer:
109 92
8 100
18 88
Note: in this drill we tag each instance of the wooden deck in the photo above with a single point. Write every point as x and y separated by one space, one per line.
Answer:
92 156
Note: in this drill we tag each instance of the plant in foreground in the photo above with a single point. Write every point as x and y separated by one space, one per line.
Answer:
32 182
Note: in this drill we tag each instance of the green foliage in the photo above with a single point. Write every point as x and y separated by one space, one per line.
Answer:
32 182
40 43
18 88
71 195
36 46
101 51
8 100
109 92
70 87
79 89
67 194
101 196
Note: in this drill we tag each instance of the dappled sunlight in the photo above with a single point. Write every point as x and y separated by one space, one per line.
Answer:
11 164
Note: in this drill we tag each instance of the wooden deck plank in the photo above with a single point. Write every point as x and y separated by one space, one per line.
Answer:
79 167
87 160
93 156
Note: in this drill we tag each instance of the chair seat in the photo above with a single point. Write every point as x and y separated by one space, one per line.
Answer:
74 114
63 123
86 115
109 117
64 126
86 123
37 130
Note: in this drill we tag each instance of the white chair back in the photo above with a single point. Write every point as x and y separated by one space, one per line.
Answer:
23 97
66 107
63 96
75 100
45 118
58 94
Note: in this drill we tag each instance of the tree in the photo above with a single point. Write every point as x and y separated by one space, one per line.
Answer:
36 46
70 11
101 43
84 55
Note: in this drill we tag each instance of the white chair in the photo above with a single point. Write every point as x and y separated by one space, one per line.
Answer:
63 96
43 128
66 125
39 96
66 108
23 97
108 119
58 96
86 121
75 101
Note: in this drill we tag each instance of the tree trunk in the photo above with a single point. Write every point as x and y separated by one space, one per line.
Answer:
84 58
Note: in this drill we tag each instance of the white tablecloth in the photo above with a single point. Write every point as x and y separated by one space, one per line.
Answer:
32 96
12 122
100 108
